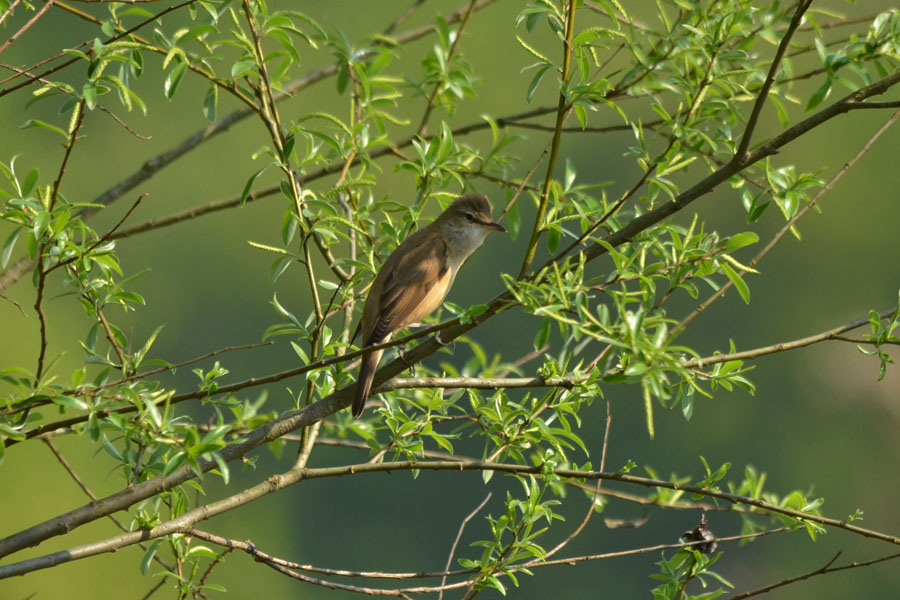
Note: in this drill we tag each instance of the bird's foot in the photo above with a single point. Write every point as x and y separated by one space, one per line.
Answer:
412 366
451 343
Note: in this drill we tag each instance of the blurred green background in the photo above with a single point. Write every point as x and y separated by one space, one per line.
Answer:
819 420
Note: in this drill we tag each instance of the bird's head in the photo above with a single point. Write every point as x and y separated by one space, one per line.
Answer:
466 223
472 211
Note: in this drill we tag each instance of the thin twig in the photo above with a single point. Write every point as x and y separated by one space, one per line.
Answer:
403 17
42 273
40 13
72 61
593 505
459 533
77 479
454 48
274 483
791 222
820 571
763 95
9 10
562 111
102 239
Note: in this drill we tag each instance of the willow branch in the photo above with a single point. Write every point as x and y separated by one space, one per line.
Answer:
40 13
562 111
763 95
738 163
391 383
820 571
72 61
80 482
42 273
791 222
454 48
459 533
9 10
154 165
831 334
275 483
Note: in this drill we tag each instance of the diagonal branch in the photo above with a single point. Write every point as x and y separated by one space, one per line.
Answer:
157 163
11 39
562 111
792 221
274 483
802 7
820 571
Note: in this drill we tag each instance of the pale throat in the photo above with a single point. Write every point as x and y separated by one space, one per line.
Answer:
461 243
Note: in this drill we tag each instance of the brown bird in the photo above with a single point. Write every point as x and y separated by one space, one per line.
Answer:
416 277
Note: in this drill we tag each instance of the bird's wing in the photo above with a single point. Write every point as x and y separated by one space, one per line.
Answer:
415 283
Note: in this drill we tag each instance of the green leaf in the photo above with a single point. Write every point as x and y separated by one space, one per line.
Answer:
535 82
820 94
41 124
210 102
243 67
174 463
739 284
173 80
740 240
553 237
543 334
89 91
30 181
8 247
149 554
249 185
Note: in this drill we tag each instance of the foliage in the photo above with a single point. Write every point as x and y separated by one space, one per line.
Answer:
688 84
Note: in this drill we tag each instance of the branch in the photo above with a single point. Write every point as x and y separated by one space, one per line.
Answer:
423 126
820 571
9 42
802 7
153 165
72 61
831 334
9 10
738 163
562 111
136 376
274 483
102 239
389 383
259 555
42 273
793 220
75 477
462 526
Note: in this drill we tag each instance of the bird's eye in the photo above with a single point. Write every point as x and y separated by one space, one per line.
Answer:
470 217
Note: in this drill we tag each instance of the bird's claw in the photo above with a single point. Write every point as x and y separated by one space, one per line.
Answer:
437 338
412 366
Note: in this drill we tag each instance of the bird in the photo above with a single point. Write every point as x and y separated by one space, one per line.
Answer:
414 280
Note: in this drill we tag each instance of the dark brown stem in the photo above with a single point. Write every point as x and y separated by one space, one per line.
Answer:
562 111
40 13
42 273
763 95
791 222
423 126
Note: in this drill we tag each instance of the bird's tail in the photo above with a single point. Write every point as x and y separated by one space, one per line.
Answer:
364 381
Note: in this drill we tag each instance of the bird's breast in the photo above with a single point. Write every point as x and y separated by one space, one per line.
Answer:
434 296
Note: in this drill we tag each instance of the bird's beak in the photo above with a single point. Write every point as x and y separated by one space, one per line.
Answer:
495 226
